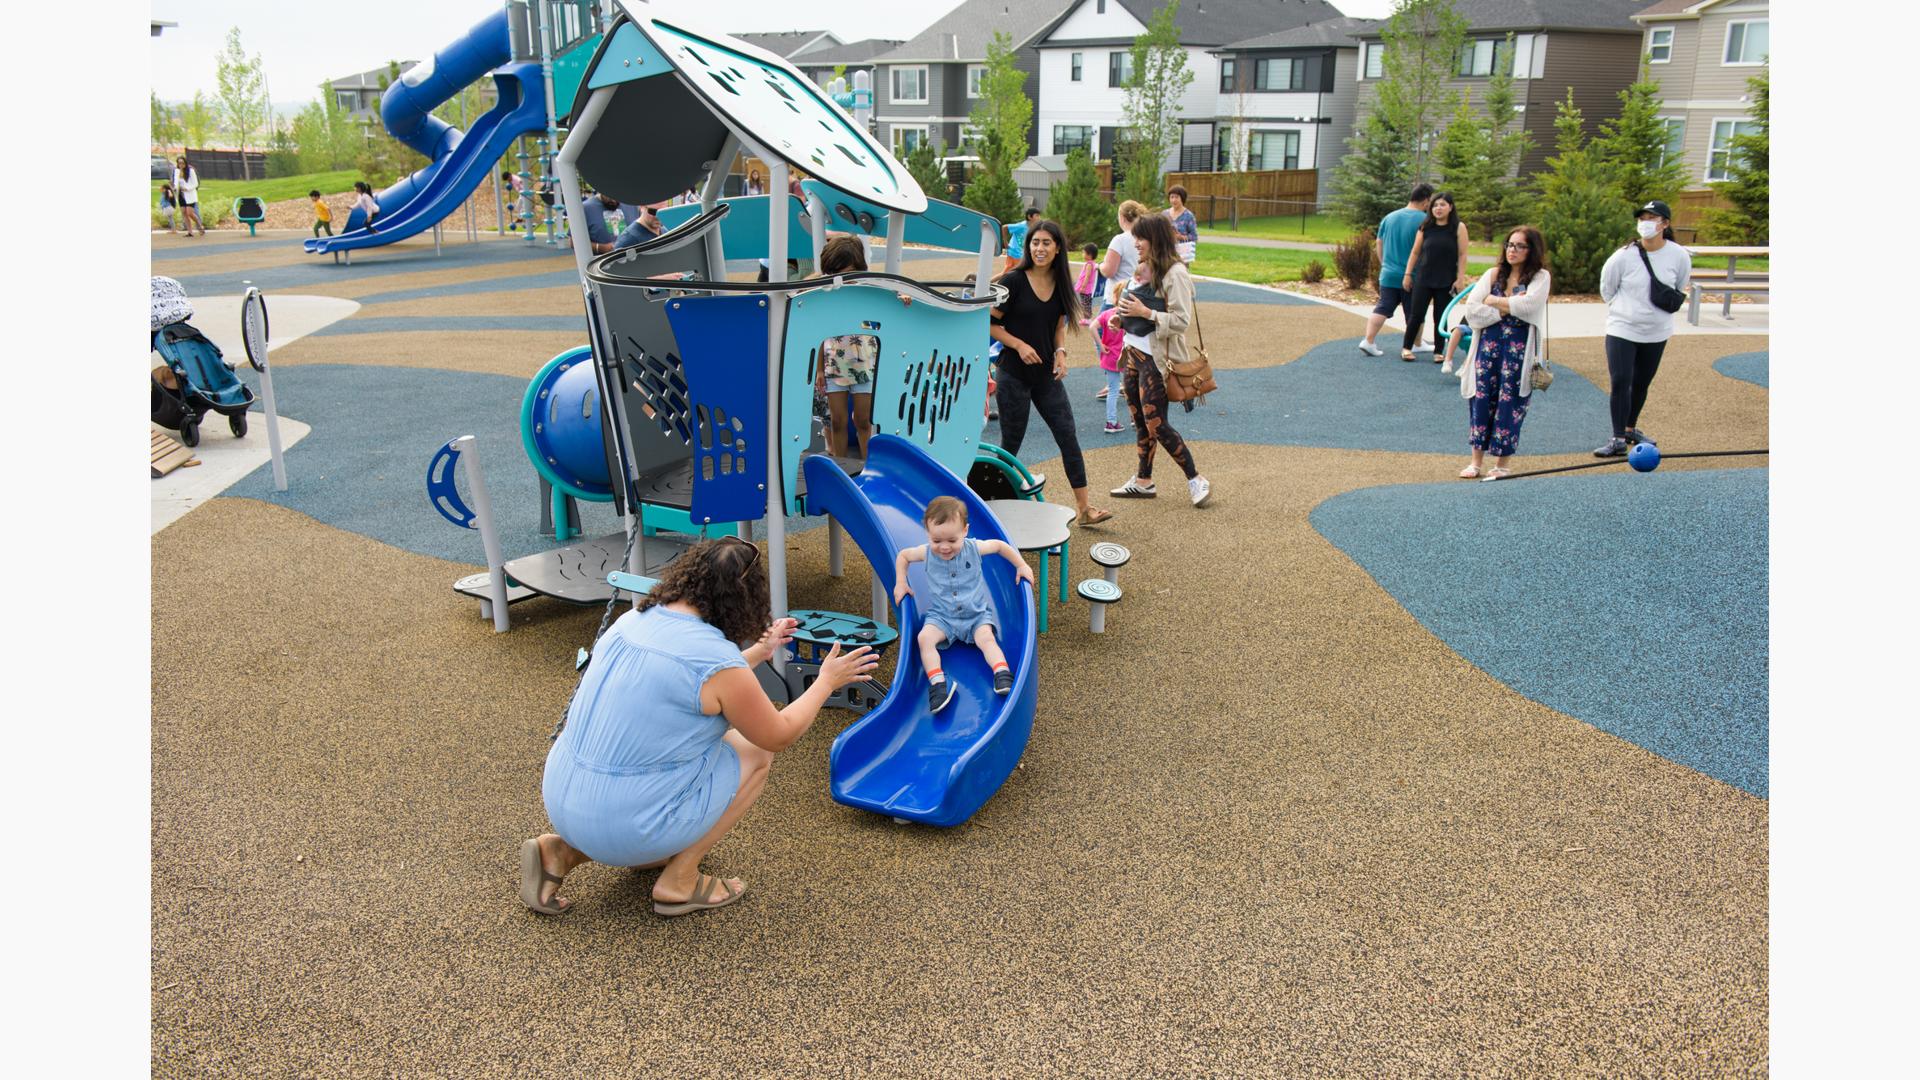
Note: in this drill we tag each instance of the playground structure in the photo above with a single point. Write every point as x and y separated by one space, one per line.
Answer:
691 410
536 52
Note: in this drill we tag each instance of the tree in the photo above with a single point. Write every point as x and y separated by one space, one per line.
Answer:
1749 188
345 138
1159 79
993 190
309 133
1004 109
1479 154
283 154
1236 133
1076 204
923 162
197 121
1635 145
1376 173
242 92
1583 216
166 130
1423 41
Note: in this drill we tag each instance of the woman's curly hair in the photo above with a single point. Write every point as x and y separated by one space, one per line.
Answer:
724 581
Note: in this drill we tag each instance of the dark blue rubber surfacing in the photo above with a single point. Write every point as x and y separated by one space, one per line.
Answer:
1747 367
1633 602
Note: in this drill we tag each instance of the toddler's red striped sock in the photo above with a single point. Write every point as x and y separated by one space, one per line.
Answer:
935 675
999 667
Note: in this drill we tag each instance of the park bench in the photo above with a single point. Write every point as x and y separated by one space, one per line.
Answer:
1725 282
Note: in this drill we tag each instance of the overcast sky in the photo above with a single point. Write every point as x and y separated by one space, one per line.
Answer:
305 44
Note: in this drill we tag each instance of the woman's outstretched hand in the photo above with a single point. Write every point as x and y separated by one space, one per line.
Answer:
774 639
839 669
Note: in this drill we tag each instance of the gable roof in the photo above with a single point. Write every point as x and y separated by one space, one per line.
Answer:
1336 32
859 53
788 44
963 33
369 80
1217 22
1591 15
1675 9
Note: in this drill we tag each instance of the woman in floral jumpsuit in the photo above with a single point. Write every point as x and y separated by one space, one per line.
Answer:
1498 383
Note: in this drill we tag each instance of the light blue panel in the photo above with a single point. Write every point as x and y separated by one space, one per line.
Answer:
944 225
723 353
628 57
930 386
744 232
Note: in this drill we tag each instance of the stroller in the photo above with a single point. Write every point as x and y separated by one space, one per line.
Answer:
195 380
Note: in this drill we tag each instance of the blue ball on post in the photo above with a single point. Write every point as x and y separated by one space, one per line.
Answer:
1644 457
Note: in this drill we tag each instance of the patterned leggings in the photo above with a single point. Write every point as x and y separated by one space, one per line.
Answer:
1147 400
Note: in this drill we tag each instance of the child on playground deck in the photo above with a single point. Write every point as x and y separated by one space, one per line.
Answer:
322 214
958 607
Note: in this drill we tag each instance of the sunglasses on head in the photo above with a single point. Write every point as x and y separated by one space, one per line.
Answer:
753 553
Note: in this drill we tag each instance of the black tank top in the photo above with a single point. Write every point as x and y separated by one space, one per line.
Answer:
1439 255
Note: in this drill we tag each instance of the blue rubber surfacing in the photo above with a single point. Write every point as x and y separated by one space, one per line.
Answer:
1747 367
1633 602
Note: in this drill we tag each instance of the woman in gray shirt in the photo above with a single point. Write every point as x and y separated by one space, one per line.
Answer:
1637 330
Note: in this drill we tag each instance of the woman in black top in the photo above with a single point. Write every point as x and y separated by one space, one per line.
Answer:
1032 330
1436 270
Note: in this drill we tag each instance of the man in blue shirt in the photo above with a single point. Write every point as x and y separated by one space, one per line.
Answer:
595 208
1393 242
1017 238
643 228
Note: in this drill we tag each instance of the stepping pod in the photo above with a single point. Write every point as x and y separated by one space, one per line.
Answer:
1101 591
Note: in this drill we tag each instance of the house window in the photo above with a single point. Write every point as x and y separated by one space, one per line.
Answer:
1375 66
347 99
1226 76
1280 75
907 139
1067 138
1273 150
1746 42
975 72
1119 68
1223 150
1476 57
1676 139
1076 66
1660 44
1720 153
910 85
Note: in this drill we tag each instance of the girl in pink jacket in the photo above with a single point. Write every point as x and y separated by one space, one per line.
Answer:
1107 332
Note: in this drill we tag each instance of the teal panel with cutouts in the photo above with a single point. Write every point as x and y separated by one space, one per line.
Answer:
745 232
944 225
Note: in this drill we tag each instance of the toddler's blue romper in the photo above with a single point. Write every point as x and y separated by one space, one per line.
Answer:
957 600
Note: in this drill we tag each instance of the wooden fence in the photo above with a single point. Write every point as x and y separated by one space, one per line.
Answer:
1225 196
1689 212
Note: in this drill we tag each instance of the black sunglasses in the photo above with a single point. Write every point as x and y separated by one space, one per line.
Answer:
753 553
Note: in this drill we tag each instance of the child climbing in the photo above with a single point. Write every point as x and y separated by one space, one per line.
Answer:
958 607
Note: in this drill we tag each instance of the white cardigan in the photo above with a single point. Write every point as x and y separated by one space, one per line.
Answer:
1529 307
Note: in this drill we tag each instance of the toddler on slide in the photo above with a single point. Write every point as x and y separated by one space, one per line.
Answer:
957 607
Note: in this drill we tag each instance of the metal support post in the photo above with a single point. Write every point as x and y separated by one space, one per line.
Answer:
836 548
469 450
776 335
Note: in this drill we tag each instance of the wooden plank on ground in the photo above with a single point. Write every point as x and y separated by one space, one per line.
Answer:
169 454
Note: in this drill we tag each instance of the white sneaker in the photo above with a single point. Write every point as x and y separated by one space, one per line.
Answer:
1425 346
1199 489
1371 349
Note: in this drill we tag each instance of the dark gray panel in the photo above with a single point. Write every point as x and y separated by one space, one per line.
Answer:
624 154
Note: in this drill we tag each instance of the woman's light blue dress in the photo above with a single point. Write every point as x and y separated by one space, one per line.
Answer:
640 773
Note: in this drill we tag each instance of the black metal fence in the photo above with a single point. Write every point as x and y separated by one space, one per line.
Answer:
225 164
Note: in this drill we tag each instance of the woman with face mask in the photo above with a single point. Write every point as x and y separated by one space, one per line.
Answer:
1638 328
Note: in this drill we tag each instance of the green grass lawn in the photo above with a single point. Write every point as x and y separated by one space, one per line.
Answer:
1318 228
1263 266
216 196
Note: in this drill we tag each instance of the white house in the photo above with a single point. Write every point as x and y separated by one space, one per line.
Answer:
1086 57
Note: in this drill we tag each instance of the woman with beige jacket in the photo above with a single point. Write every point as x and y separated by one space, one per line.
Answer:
1156 332
1507 310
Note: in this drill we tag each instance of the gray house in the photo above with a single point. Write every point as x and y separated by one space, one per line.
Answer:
818 64
1288 100
790 44
1591 47
925 89
360 94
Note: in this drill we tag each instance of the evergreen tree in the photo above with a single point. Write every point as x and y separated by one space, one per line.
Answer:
1749 190
1152 112
1499 200
1373 178
923 162
993 191
283 154
1635 145
1004 111
243 99
1583 216
1076 204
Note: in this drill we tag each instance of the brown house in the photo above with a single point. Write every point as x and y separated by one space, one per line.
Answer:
1589 46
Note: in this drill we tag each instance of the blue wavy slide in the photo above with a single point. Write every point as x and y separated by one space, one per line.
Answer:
459 161
900 759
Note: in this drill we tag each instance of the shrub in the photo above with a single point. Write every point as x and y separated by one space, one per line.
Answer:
1353 260
1314 272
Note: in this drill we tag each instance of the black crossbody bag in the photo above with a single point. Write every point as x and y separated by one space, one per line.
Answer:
1665 297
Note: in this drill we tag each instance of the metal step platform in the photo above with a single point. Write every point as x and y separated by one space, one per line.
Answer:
576 573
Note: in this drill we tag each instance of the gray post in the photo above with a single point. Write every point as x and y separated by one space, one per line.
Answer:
989 240
882 603
836 548
776 335
266 401
469 448
896 238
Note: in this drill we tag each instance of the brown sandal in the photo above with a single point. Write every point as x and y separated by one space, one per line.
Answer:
702 898
1095 517
534 876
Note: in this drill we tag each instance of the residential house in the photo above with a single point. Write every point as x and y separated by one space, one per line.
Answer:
1288 100
818 64
926 88
360 94
790 45
1591 47
1702 52
1086 59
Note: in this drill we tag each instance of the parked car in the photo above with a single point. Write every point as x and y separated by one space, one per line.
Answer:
162 168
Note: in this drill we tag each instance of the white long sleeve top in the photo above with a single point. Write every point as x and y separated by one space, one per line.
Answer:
1529 307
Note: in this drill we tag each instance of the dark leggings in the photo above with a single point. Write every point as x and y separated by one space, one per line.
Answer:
1013 394
1417 313
1631 366
1147 400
